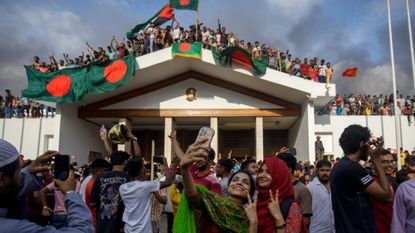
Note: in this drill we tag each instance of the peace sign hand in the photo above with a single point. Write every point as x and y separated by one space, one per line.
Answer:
250 209
274 206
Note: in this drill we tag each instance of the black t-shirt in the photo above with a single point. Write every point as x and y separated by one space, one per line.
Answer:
351 206
105 194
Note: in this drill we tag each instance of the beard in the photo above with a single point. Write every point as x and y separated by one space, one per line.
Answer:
324 179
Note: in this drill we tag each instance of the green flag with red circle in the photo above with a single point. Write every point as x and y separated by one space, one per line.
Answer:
191 50
72 84
185 4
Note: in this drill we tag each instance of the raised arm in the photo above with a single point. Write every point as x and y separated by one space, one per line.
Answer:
136 147
195 152
112 43
176 146
104 138
65 56
380 189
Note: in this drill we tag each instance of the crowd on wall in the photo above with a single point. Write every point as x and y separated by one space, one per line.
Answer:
121 192
156 38
370 105
21 107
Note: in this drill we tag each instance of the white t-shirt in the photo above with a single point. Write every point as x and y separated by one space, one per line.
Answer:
176 33
136 196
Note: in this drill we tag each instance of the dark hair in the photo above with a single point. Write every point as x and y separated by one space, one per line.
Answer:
119 157
251 181
385 152
289 159
100 163
211 154
227 164
246 163
323 163
134 166
351 138
10 168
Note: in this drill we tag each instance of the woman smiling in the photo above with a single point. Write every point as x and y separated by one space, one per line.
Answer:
204 211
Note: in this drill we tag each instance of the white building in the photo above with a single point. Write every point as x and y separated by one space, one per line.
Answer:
252 115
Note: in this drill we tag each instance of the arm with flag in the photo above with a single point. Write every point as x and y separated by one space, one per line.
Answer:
162 16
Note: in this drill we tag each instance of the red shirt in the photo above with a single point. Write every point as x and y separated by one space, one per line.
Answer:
206 179
382 211
87 197
304 68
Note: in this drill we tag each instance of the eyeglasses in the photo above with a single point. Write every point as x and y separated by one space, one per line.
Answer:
388 162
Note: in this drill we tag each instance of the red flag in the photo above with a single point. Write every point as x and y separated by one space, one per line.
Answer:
350 72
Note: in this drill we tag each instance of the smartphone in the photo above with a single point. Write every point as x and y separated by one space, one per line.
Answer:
62 165
205 132
158 159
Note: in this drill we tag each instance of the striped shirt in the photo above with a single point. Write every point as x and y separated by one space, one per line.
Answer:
206 179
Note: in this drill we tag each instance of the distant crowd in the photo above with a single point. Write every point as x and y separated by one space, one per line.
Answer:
156 38
371 105
16 107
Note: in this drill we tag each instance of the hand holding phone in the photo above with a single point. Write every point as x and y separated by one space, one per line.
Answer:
62 165
205 133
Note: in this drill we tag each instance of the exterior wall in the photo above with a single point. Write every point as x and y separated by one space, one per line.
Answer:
209 97
301 133
331 127
31 137
75 136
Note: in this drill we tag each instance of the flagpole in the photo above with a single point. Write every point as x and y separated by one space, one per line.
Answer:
197 23
395 101
411 44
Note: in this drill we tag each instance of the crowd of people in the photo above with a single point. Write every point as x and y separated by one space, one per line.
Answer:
16 107
155 38
361 192
371 105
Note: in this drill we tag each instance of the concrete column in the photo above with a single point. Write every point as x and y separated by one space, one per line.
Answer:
259 138
311 131
127 146
168 128
214 145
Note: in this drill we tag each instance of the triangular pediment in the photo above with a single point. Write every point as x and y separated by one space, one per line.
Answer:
167 97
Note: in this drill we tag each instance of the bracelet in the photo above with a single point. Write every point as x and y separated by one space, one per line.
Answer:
45 207
134 138
281 226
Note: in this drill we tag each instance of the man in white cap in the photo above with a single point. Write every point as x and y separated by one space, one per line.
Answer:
15 182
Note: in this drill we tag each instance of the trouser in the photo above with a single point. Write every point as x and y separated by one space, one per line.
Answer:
155 226
9 112
170 221
322 79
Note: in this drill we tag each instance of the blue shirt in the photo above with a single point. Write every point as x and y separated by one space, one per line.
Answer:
79 217
322 220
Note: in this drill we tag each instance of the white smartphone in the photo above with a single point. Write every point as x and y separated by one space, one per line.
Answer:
205 132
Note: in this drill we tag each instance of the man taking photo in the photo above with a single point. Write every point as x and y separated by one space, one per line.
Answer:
352 185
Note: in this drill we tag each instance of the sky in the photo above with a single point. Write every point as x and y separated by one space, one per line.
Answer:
345 33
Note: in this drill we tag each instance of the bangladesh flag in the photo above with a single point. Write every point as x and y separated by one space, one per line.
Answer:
72 84
162 16
192 50
185 4
237 56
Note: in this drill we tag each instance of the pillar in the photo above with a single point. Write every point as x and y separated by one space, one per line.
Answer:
259 138
168 128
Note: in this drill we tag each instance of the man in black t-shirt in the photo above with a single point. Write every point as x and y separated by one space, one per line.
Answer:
106 197
352 185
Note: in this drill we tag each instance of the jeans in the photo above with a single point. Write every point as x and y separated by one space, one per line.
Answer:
322 79
9 112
